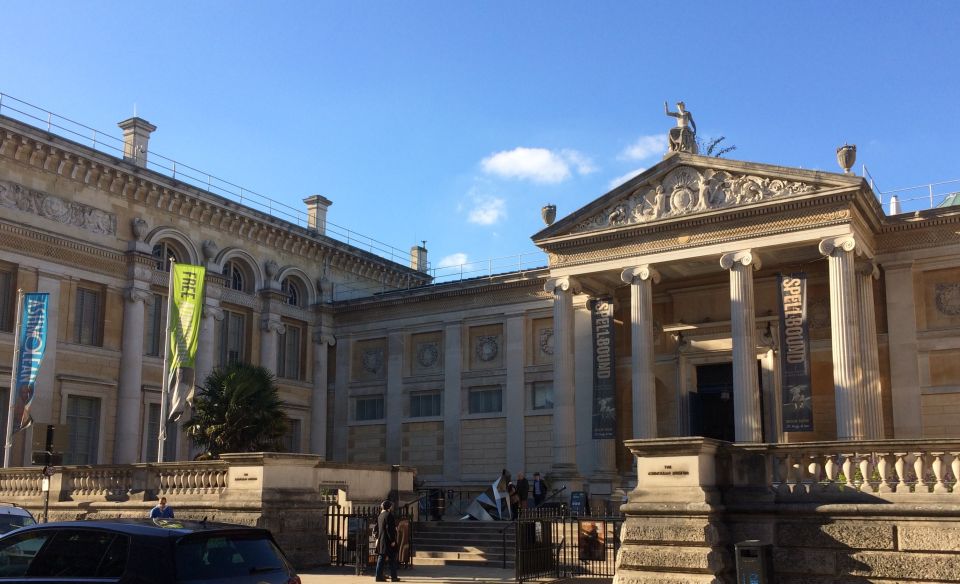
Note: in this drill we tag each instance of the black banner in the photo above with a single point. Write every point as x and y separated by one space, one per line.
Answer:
795 354
604 369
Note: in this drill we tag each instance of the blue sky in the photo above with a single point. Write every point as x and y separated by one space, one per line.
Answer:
454 122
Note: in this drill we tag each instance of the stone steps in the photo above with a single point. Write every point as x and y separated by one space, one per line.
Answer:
463 543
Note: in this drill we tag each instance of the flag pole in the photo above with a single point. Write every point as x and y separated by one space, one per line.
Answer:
165 386
8 439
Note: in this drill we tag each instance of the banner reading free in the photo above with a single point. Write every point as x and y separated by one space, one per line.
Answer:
186 289
32 344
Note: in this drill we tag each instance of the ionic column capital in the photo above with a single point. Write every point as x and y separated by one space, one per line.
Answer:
214 312
746 257
324 338
269 324
641 272
842 243
868 267
562 284
133 294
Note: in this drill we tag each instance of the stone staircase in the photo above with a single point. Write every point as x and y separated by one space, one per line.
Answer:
469 543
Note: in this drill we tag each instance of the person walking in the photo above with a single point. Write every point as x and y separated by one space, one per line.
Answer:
162 510
523 489
539 490
386 542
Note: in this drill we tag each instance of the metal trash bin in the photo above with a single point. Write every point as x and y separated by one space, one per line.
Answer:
753 562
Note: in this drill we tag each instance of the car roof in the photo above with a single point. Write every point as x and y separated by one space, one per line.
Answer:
156 527
13 509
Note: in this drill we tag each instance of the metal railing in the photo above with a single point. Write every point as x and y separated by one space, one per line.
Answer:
916 198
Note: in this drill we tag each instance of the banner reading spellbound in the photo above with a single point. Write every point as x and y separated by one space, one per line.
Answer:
604 369
186 289
795 354
32 344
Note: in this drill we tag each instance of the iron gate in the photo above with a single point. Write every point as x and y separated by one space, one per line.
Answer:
566 546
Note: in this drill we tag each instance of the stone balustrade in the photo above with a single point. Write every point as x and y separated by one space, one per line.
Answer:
285 493
888 469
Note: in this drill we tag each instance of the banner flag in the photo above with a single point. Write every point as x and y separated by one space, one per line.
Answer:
183 332
29 355
604 370
797 400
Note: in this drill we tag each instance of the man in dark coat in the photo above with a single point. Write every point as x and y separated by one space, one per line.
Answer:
386 542
523 489
539 489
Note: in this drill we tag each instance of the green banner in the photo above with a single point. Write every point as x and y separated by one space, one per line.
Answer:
186 289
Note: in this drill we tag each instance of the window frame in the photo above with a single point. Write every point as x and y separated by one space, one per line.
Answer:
533 396
233 269
8 298
79 317
223 332
284 354
379 413
95 450
419 396
480 391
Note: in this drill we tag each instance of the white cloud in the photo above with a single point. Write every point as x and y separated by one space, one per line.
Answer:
454 259
625 177
537 164
645 147
487 210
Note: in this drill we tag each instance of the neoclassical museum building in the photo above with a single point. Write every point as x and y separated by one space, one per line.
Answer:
706 296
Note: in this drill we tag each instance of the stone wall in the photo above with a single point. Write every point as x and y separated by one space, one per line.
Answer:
696 498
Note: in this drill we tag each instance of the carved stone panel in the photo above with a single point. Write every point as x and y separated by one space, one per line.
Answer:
426 353
486 347
369 360
687 190
16 196
542 341
941 293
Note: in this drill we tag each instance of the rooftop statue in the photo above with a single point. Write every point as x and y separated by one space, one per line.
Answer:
683 138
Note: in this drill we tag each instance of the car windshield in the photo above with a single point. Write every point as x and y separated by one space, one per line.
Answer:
227 557
11 522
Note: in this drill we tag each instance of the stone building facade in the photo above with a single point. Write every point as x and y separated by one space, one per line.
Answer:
465 378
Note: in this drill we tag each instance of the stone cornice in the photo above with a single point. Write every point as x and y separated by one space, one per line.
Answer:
38 244
47 152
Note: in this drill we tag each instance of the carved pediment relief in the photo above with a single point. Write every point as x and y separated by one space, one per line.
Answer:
686 191
16 196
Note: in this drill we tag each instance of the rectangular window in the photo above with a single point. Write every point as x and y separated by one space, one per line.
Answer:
288 352
8 300
83 427
369 408
291 440
425 403
543 395
233 337
486 400
88 326
156 318
152 438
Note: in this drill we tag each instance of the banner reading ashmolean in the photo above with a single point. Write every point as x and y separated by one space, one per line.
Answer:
30 348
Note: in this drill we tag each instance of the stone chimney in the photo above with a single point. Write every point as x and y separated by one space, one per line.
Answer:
418 257
317 206
136 135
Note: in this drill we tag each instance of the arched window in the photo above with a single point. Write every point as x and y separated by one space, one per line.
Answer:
291 292
235 275
164 252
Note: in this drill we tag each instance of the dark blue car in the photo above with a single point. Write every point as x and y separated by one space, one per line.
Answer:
143 551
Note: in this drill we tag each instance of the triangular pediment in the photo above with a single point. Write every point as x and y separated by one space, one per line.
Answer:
687 185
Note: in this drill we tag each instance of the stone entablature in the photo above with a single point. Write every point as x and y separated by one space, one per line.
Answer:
122 179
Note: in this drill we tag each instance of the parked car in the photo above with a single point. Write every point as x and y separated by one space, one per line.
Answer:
13 517
143 551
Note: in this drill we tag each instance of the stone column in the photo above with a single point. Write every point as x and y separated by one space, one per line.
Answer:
393 400
514 394
341 401
270 326
318 401
905 368
130 392
845 336
643 379
564 414
743 328
867 272
212 314
452 366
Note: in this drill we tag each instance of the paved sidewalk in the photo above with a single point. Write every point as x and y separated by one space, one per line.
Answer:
414 575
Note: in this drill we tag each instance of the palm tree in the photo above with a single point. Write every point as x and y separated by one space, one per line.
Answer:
238 409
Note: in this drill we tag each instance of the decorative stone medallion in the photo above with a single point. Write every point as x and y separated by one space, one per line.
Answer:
427 355
947 298
372 360
487 348
546 341
819 314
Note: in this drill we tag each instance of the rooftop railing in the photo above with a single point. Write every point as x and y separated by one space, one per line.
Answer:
916 198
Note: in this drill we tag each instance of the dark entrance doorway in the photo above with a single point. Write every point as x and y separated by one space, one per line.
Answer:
711 406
